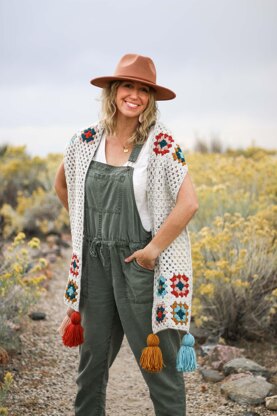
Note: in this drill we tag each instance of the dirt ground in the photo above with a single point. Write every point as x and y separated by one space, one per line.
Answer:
45 372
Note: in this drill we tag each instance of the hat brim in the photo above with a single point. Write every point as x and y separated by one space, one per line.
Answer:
161 93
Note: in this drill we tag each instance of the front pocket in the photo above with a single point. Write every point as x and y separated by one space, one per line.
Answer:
141 267
139 282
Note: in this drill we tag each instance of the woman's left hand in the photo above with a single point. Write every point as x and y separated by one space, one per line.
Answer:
145 257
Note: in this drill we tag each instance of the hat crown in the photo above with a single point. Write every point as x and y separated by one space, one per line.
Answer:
136 66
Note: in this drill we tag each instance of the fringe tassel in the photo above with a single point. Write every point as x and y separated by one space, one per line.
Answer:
151 358
64 324
186 358
72 330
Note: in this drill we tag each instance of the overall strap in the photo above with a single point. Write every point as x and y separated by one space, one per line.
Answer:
134 154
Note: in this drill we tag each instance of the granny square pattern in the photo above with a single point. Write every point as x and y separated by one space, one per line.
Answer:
162 143
180 285
160 313
88 135
178 155
74 265
180 313
71 291
161 283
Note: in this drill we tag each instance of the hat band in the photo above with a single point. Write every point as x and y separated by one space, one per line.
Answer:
136 78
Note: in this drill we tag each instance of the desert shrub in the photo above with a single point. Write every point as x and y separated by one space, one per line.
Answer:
19 172
28 201
21 277
38 214
4 389
231 184
253 152
235 274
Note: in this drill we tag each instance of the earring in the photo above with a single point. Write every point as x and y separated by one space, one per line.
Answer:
141 118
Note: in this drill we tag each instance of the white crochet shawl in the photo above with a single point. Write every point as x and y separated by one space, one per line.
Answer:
165 173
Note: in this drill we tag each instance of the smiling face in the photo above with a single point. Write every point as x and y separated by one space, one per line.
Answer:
132 98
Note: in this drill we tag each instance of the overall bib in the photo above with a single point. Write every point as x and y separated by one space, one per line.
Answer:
116 297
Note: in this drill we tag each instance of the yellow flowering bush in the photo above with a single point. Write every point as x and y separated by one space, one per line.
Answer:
233 236
19 172
27 199
4 388
232 183
39 213
21 278
234 264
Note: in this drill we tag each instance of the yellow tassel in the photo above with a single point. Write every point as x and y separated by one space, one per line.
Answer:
151 358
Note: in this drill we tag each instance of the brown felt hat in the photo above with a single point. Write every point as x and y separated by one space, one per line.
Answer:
136 68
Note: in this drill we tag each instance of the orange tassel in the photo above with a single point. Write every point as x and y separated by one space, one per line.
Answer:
151 358
73 333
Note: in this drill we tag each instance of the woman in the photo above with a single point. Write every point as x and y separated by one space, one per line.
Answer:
126 184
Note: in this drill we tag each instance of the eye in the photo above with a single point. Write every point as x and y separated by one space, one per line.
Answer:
145 89
127 85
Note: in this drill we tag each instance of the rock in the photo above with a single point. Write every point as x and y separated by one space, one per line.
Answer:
211 375
203 388
209 346
241 365
233 377
217 365
206 349
248 390
221 354
273 379
250 414
36 316
271 403
273 390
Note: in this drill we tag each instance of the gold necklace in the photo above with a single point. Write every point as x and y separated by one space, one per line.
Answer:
125 148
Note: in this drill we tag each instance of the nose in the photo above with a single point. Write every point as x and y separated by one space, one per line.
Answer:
134 93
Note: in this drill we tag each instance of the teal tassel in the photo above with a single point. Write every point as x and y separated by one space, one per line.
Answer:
186 358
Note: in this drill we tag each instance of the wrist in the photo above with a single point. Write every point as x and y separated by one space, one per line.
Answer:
155 249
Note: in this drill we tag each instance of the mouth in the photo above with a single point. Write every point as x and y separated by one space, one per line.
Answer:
131 105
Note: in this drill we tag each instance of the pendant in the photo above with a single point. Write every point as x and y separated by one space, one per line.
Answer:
125 149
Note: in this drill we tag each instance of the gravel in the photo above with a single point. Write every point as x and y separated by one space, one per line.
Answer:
44 373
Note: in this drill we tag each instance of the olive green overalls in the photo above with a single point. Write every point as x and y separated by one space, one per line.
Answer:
116 297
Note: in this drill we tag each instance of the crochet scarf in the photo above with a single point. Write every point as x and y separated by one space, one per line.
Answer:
165 173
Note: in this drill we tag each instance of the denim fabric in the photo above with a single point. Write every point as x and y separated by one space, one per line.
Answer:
117 297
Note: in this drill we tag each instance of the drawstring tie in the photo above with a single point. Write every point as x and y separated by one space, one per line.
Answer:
96 247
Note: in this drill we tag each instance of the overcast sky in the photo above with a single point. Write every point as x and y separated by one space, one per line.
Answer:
219 56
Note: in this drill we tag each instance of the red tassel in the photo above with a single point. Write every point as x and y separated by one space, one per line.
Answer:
73 333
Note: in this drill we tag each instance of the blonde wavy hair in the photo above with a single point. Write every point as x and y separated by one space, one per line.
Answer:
108 114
